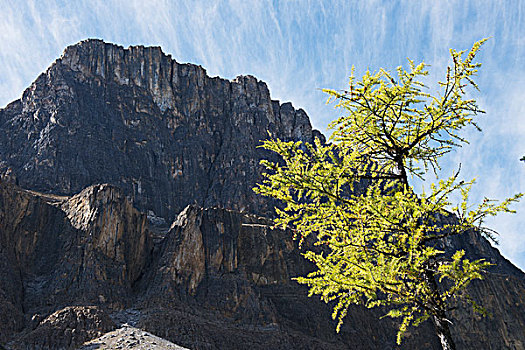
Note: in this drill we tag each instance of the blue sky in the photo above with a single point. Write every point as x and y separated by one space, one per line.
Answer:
298 47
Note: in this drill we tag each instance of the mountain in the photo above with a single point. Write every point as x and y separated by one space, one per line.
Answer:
126 203
164 132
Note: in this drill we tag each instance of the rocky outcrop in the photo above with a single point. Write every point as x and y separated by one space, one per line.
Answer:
219 258
112 228
165 133
241 267
59 251
67 329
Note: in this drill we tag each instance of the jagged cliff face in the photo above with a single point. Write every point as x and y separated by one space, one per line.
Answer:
215 279
164 135
91 247
164 132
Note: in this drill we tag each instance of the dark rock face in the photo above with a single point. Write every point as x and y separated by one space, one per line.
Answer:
237 264
215 279
164 132
112 228
58 251
174 143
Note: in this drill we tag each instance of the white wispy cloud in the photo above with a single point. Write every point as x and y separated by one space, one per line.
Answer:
299 46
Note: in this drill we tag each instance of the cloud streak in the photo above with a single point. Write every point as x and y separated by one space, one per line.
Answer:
300 46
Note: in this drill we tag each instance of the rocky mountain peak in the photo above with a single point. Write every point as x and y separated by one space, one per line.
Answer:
166 133
146 67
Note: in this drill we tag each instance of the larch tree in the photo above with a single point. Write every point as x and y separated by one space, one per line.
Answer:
378 236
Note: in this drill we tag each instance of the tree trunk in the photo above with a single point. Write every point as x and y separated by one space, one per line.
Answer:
443 332
441 322
440 319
